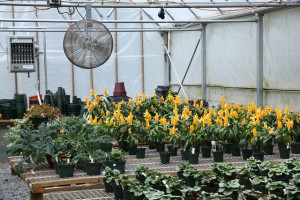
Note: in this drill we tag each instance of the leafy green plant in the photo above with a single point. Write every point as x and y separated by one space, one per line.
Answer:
228 188
111 175
292 192
260 180
244 173
117 155
278 171
276 185
224 169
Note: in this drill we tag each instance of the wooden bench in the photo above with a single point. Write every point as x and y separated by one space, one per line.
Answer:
82 194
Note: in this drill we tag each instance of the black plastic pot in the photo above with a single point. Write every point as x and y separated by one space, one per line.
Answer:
118 191
234 196
247 184
107 186
49 160
160 146
152 145
140 153
132 150
184 154
164 157
65 170
235 150
268 149
93 169
142 197
206 152
226 148
127 194
172 150
56 167
106 147
218 156
283 178
229 177
278 193
259 156
193 158
284 153
295 148
261 188
247 153
123 144
119 165
37 121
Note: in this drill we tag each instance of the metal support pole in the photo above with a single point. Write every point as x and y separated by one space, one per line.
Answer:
203 59
16 75
190 63
88 11
260 63
45 62
116 47
142 55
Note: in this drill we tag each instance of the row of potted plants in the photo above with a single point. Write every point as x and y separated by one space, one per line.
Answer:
223 182
155 120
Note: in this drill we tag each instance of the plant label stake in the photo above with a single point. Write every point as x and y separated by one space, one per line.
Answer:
213 146
193 150
117 182
92 160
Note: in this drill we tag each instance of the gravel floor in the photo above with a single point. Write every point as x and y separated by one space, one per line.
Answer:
11 187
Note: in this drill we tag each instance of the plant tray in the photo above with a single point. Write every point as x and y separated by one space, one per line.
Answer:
82 194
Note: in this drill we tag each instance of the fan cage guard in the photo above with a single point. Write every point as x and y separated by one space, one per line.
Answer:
88 44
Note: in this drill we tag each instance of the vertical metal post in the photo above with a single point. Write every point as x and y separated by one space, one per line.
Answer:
88 15
45 62
38 55
16 76
116 47
259 60
203 62
142 52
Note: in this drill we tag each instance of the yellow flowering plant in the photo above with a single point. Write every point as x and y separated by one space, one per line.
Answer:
285 131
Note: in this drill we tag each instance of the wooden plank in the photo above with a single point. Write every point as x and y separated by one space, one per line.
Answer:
67 181
6 122
75 187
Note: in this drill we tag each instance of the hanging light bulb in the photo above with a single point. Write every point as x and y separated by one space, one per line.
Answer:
161 13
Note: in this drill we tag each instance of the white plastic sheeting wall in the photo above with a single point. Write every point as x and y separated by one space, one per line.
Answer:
231 61
59 69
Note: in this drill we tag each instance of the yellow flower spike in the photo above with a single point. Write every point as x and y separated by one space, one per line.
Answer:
107 113
147 125
186 100
102 112
178 100
279 124
221 122
254 132
98 98
105 92
271 131
172 131
220 113
156 118
163 121
226 105
136 97
192 128
130 118
271 109
205 111
209 121
95 104
286 111
284 119
122 119
95 121
154 94
122 102
265 125
226 123
194 103
201 104
130 101
90 119
221 100
244 121
289 124
92 93
196 120
226 113
144 96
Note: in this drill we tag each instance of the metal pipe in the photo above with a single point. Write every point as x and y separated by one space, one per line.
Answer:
260 63
134 21
38 57
142 54
116 47
203 63
164 5
189 65
121 30
45 61
16 76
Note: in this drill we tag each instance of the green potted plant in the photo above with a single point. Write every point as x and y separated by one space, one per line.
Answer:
141 173
284 137
191 176
279 173
128 183
110 175
218 139
254 165
266 166
268 139
104 133
117 160
65 165
94 164
42 113
210 182
230 189
259 184
181 168
257 143
292 192
191 193
245 145
244 174
225 170
276 188
296 179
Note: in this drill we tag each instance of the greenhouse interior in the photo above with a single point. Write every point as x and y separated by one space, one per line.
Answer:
135 99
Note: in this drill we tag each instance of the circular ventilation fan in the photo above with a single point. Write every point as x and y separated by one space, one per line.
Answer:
88 43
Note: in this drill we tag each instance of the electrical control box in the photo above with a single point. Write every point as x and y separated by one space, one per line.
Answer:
54 3
21 54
